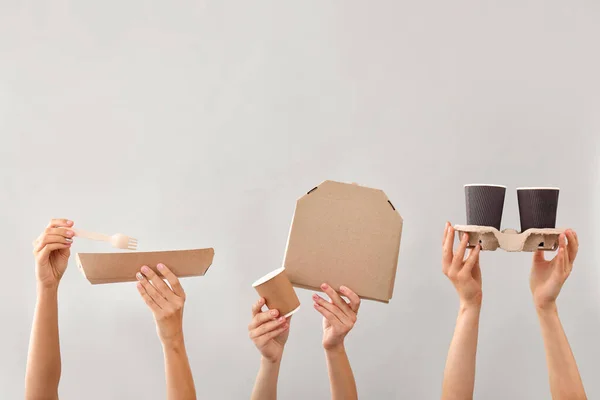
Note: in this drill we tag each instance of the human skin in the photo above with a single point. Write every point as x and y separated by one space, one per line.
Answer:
51 251
465 275
546 281
166 303
270 333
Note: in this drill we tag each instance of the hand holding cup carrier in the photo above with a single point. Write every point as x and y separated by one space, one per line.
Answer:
537 210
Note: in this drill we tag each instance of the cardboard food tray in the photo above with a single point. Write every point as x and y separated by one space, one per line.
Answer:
510 240
121 267
345 234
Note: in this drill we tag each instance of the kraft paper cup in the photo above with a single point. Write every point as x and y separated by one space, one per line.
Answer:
538 207
278 292
485 204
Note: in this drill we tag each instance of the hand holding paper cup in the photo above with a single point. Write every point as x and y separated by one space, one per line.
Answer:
277 290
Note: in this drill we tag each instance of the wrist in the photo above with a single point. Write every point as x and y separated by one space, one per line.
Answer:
47 290
270 362
546 308
175 343
466 307
338 348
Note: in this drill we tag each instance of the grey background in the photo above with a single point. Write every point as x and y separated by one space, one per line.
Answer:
195 124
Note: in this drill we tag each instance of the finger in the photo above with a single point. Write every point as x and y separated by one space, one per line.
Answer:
147 299
51 239
158 283
273 334
539 256
65 232
560 269
328 315
353 297
263 317
45 252
471 260
154 294
459 256
445 233
266 327
172 279
572 246
447 252
256 307
58 222
332 308
337 300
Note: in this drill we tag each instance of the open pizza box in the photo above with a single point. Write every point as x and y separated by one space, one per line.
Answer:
122 267
345 235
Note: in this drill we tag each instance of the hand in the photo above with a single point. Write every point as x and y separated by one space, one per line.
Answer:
166 303
464 274
268 332
548 277
51 251
339 316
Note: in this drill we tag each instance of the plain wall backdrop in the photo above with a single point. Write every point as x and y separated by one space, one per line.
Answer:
199 123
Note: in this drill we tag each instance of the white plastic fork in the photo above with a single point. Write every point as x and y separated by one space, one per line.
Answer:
117 240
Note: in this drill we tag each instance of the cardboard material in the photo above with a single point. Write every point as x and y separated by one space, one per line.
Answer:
122 267
278 292
345 234
510 240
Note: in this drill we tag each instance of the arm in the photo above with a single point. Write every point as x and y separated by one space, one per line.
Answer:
547 279
339 318
269 335
459 374
51 251
166 303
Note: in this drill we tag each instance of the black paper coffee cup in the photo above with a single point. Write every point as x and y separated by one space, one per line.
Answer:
485 204
537 207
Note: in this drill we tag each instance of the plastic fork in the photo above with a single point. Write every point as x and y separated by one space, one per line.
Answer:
117 240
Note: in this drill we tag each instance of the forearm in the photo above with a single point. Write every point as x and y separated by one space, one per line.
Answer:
341 377
565 381
180 382
43 364
265 387
459 374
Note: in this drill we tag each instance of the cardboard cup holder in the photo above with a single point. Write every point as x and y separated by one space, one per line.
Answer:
510 240
278 292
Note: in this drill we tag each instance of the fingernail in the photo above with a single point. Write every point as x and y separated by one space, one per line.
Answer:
160 266
281 319
315 297
69 240
139 276
315 305
145 269
324 286
343 289
70 233
69 223
139 285
274 312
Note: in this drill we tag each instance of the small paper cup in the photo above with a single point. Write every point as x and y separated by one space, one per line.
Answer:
278 292
538 207
485 204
